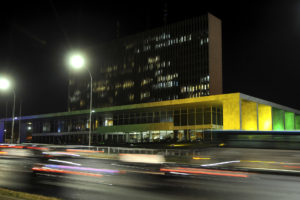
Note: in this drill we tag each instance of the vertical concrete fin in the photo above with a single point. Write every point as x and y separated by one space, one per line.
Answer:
231 112
264 117
249 115
289 120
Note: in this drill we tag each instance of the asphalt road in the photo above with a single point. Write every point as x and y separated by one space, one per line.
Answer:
142 182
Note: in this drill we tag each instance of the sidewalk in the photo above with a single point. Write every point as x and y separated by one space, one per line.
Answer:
14 195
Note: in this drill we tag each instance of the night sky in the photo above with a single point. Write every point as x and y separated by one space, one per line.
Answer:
261 44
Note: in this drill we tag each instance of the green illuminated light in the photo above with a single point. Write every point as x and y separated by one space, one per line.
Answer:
297 122
278 119
289 121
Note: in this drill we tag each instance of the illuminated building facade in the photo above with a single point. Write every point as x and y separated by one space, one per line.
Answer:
176 61
163 85
165 121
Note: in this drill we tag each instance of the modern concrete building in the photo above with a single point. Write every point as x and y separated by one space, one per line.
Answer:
164 121
162 85
176 61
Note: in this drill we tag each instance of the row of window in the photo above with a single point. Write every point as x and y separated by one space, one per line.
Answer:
157 65
181 117
167 84
194 88
169 42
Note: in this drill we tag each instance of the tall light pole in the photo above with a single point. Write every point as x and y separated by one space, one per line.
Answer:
13 118
5 85
77 62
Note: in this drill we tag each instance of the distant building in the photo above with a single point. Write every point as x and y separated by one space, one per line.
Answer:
176 61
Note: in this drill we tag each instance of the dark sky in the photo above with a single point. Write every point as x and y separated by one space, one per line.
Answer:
261 44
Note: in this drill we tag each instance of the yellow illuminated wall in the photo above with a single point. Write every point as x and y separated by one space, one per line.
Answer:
249 115
231 113
264 117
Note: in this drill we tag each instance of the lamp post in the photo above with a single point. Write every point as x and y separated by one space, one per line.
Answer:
5 85
77 62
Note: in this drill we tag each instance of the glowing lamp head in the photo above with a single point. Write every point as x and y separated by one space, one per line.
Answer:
4 83
77 61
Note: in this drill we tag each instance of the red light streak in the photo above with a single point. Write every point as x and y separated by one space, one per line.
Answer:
38 148
66 172
289 166
205 171
15 147
84 151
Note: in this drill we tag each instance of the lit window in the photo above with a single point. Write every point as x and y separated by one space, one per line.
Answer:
109 69
82 103
153 59
118 85
108 122
128 84
146 81
145 94
151 67
131 97
168 77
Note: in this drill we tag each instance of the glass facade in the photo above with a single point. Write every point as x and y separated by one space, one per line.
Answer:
181 120
166 63
183 116
184 123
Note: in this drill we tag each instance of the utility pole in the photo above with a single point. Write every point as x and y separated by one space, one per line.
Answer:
20 114
5 121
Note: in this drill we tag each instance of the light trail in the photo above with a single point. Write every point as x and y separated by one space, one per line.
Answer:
205 171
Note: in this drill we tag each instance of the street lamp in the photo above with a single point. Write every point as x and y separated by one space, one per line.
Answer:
5 85
77 61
